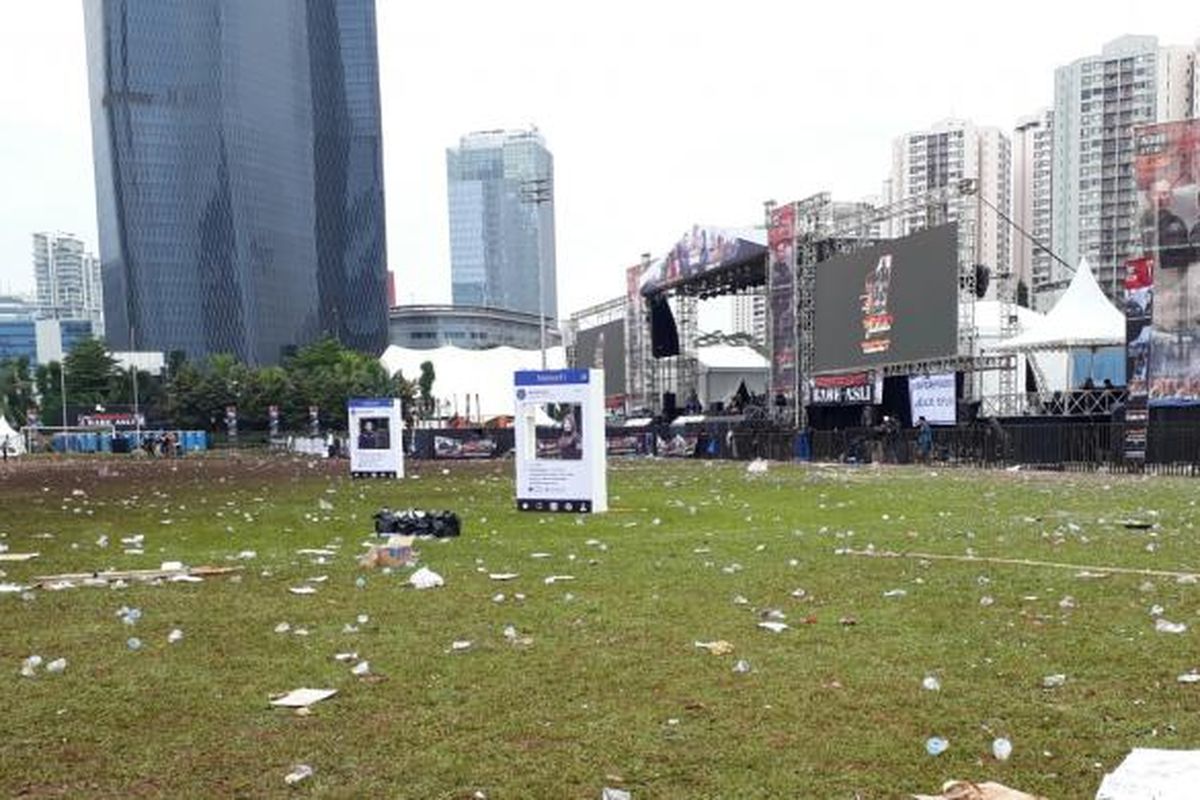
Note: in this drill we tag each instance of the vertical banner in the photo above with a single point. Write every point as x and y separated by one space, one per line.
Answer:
314 421
560 449
1167 166
273 420
781 299
1139 294
376 437
231 423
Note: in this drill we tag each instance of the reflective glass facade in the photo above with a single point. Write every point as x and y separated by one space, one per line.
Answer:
238 174
501 236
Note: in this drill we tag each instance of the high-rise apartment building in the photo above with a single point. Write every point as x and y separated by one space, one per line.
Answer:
1098 101
239 174
749 315
68 279
500 186
950 151
1033 148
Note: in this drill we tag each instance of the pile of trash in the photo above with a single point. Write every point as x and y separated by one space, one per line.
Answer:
415 522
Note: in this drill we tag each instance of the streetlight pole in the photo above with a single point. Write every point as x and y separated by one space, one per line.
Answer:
62 386
538 191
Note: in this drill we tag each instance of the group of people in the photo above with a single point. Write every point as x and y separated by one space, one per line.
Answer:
164 446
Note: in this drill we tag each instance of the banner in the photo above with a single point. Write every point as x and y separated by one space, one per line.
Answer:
231 422
560 448
629 444
273 420
781 301
678 445
376 437
314 421
855 388
1167 167
109 419
933 397
702 249
450 446
1139 300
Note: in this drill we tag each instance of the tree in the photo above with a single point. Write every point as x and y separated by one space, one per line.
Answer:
48 379
425 383
16 390
90 373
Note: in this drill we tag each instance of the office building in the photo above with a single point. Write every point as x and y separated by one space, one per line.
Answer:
1098 101
68 279
500 186
239 174
1033 149
749 315
950 151
425 327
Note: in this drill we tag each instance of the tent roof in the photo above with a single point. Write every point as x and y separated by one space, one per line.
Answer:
1082 317
731 357
459 372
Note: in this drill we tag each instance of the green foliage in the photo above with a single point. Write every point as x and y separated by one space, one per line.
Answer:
16 390
324 374
425 382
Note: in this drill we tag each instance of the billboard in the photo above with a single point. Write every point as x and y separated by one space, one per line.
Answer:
781 299
376 437
702 249
1167 168
603 348
891 303
560 448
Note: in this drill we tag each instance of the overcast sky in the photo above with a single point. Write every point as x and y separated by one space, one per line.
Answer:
659 114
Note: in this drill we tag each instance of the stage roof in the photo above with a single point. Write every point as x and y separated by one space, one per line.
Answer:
708 256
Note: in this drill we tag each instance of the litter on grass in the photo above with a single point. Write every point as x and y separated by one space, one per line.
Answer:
503 576
615 794
720 647
965 790
302 590
1164 626
425 578
558 579
1002 748
773 627
299 773
1054 681
1148 774
302 698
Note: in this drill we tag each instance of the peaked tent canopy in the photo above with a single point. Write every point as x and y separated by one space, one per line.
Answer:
1082 317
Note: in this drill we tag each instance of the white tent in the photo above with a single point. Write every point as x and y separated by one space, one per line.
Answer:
724 367
1050 365
1082 318
10 439
482 379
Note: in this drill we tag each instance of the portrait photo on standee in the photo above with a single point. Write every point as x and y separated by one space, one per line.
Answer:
374 433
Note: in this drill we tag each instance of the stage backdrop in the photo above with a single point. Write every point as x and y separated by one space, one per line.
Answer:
892 303
603 348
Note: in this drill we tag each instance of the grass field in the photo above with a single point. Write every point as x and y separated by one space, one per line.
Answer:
611 691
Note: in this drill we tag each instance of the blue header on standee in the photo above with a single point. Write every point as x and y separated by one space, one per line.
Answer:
550 377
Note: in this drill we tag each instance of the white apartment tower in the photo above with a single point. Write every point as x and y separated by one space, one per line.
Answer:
950 151
1033 146
68 279
749 315
1098 101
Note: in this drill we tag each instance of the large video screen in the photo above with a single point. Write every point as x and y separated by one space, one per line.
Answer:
603 347
895 302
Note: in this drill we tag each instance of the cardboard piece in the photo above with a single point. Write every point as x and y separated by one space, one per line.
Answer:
1148 774
303 698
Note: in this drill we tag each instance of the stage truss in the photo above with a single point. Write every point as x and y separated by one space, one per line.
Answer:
822 231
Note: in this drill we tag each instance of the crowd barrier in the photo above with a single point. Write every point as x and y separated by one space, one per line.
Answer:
84 442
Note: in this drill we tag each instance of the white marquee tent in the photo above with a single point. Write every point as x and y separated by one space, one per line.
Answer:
480 381
10 439
724 367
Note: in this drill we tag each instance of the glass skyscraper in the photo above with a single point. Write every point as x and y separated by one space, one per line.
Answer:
502 221
239 174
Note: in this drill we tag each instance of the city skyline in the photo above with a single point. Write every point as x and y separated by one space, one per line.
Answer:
644 147
238 175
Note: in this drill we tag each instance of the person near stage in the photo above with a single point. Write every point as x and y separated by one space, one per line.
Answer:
924 440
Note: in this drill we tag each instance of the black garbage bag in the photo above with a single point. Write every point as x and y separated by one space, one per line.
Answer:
416 522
